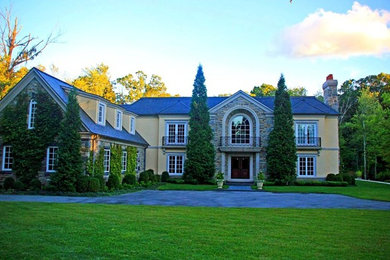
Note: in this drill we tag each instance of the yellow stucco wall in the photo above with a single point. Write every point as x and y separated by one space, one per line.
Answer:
328 156
89 106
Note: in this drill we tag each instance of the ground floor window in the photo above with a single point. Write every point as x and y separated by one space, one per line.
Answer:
175 163
106 161
124 161
51 158
7 158
306 165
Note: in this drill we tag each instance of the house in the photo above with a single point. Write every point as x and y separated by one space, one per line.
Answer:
103 124
241 125
158 128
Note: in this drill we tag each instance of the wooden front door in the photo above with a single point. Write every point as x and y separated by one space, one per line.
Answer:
240 167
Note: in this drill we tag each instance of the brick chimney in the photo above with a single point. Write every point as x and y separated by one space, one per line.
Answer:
330 92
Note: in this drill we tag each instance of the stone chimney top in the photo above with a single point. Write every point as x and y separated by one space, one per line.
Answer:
330 92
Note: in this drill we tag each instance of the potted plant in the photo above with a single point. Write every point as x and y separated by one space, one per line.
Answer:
260 180
220 178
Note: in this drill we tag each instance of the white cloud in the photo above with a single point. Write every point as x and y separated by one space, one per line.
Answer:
360 31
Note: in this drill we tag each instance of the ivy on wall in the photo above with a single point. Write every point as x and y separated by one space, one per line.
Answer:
131 159
116 160
29 145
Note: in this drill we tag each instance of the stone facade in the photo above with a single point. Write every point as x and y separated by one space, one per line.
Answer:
261 122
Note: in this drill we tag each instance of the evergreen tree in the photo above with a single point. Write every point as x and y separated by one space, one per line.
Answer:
281 152
69 165
200 165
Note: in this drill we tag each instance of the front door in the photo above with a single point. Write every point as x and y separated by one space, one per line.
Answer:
240 167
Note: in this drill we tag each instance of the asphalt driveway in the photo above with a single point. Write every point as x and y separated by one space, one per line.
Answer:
216 199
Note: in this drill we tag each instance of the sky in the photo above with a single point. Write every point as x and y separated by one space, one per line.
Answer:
240 44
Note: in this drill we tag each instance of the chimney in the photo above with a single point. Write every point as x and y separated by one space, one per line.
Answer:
330 92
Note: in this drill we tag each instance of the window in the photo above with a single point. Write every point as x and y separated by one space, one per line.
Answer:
177 133
32 110
306 165
132 125
124 161
8 160
240 130
175 164
101 114
118 123
306 133
106 161
51 158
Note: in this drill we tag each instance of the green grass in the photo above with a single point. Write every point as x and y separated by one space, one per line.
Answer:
90 231
363 190
175 186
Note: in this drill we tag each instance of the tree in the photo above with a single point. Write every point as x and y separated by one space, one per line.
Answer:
139 86
15 50
70 164
266 90
200 165
263 90
281 152
96 81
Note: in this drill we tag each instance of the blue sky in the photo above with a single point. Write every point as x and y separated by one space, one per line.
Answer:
239 43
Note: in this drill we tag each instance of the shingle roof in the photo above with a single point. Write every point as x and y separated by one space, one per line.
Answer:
108 131
181 105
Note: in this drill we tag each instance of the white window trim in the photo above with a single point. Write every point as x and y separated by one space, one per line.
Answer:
103 122
185 123
167 161
124 155
250 130
132 125
3 159
118 119
47 158
109 159
314 166
32 102
315 123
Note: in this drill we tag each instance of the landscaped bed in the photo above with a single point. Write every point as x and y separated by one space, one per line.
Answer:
176 186
83 231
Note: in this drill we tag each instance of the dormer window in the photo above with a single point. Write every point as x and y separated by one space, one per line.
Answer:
32 111
101 117
118 121
132 125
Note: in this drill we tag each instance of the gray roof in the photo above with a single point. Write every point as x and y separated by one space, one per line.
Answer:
305 105
108 131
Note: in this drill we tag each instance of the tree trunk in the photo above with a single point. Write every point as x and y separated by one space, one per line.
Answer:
364 151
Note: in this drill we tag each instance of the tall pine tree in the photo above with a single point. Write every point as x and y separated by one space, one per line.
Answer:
200 165
69 164
281 152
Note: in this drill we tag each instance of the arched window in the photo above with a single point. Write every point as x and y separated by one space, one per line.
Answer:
240 130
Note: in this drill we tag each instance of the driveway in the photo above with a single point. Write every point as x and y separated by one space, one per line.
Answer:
216 199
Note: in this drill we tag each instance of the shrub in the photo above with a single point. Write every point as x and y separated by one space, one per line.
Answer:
321 183
164 176
82 183
157 178
331 177
143 177
348 178
113 182
359 174
151 175
129 179
383 176
19 185
9 183
35 184
175 180
93 184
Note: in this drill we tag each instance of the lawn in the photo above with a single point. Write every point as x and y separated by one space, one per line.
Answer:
363 190
85 231
174 186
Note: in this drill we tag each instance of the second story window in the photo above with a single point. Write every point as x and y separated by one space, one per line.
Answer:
101 117
306 133
118 122
240 130
132 125
176 132
32 111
